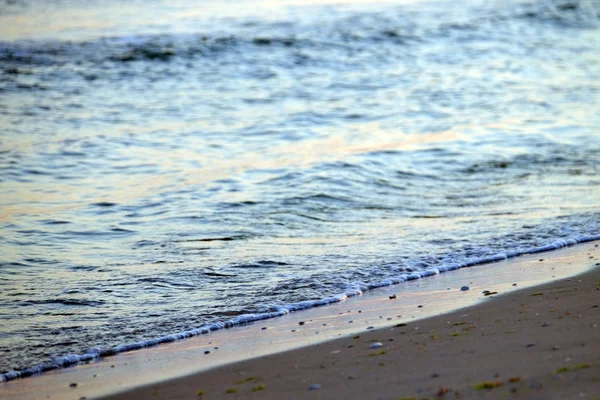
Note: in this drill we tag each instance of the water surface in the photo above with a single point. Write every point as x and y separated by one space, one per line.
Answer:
168 165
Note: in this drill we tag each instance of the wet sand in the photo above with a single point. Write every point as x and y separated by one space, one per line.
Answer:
538 343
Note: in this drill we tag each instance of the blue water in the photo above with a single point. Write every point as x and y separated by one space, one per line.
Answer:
172 165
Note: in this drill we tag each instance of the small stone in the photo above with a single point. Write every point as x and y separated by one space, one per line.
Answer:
545 324
314 386
485 292
421 306
557 347
207 352
464 288
301 323
392 297
434 375
530 345
535 385
370 327
73 385
376 345
514 284
264 328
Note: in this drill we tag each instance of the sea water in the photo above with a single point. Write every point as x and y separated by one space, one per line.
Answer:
168 168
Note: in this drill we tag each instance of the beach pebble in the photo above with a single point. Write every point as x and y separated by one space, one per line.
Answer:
314 386
485 292
530 345
370 327
545 324
464 288
557 347
264 328
207 352
392 297
535 385
301 323
73 385
376 345
434 375
514 284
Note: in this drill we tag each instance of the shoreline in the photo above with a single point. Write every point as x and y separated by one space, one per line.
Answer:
359 289
165 363
540 342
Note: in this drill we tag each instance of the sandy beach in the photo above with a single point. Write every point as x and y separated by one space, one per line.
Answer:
537 343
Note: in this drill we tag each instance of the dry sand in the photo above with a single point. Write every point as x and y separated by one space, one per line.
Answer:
536 343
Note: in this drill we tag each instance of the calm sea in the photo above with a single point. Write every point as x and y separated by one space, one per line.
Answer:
172 167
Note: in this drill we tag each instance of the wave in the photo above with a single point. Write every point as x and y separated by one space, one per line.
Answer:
347 32
278 311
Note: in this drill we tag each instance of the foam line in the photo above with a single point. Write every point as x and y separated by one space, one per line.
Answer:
353 289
